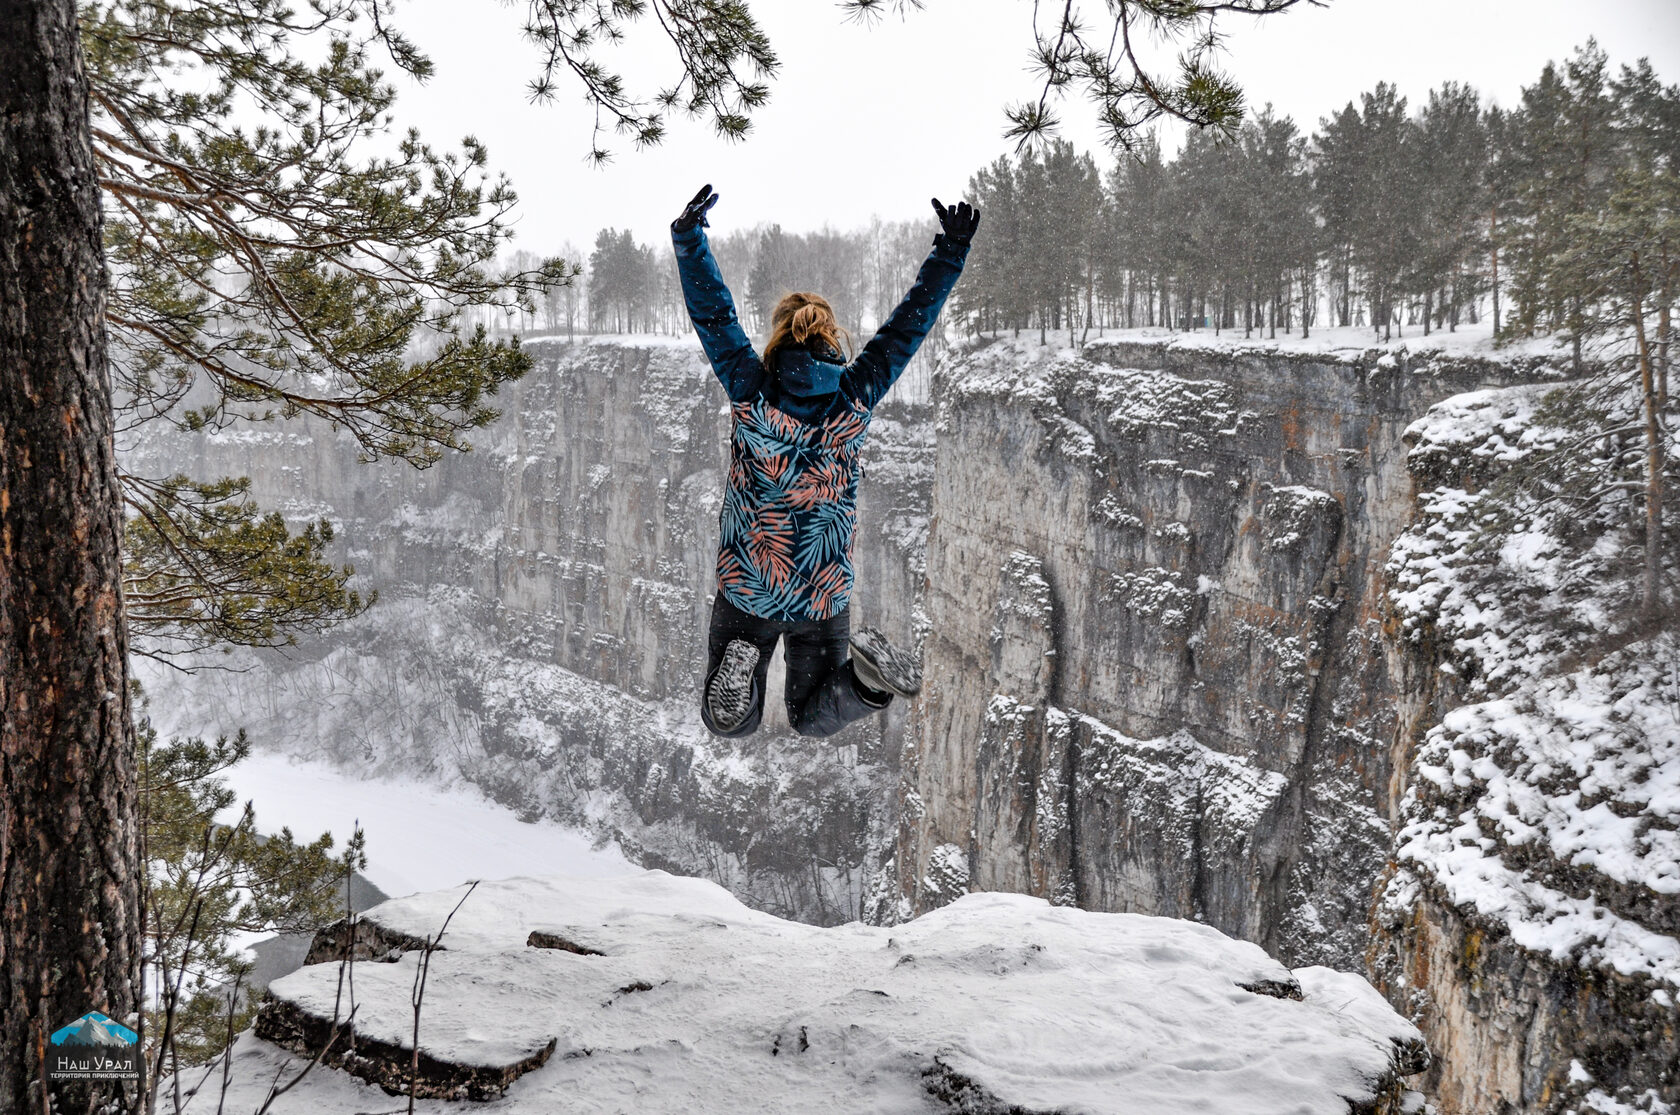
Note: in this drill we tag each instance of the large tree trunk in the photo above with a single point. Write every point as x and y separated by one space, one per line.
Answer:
1493 240
69 866
1653 454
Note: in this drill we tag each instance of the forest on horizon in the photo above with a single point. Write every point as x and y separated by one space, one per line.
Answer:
1392 214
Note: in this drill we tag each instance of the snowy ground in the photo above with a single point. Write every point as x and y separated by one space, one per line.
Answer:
420 836
692 1002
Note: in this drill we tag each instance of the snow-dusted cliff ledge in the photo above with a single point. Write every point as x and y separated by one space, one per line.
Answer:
1532 920
659 994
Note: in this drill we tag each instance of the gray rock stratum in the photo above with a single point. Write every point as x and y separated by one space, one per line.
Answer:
1157 679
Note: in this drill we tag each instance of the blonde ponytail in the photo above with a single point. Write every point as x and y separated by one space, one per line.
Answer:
808 319
797 318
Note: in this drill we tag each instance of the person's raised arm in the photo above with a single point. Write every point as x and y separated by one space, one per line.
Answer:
884 358
710 307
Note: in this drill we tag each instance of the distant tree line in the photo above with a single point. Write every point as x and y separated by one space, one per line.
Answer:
629 287
1387 216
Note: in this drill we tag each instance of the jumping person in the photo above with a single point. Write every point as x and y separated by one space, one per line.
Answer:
801 413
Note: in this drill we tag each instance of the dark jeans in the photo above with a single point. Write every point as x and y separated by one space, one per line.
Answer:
821 691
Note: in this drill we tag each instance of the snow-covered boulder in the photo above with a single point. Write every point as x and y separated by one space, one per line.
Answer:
654 993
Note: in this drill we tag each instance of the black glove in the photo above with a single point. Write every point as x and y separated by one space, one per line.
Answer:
695 214
959 221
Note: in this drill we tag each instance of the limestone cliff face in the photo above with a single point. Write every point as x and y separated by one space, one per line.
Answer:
541 624
1157 678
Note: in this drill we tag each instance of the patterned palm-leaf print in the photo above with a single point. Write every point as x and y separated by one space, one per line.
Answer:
736 518
831 590
756 444
738 474
846 429
789 512
822 484
775 472
746 588
826 534
769 546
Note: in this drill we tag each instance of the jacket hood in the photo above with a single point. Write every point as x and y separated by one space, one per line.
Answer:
809 371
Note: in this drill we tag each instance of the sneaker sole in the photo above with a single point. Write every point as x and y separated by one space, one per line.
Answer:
898 671
731 686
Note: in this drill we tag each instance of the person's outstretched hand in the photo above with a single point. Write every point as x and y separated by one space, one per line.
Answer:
959 221
695 214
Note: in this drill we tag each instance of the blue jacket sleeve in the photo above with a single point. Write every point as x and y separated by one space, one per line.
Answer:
884 358
712 310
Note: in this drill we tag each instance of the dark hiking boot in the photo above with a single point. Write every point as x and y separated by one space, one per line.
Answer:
880 666
729 696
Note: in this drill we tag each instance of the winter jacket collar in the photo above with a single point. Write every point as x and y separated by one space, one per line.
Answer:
809 371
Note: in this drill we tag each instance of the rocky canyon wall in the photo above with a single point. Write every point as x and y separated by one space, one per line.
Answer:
540 630
1158 676
1530 922
1188 650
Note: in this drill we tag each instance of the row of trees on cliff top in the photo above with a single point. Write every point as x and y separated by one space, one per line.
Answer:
1390 214
201 223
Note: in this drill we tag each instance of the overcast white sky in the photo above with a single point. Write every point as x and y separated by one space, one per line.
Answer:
876 120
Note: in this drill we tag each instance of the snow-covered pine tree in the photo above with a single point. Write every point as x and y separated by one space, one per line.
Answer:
1138 186
1278 211
1560 148
1387 230
623 282
1339 178
1594 244
993 285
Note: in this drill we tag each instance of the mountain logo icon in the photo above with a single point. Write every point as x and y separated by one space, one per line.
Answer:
94 1029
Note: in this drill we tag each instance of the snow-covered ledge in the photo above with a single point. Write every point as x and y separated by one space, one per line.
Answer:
654 993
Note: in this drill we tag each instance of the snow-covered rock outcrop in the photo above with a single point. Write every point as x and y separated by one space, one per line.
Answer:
1532 921
654 994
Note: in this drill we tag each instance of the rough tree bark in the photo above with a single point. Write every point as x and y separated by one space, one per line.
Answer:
1653 450
69 869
